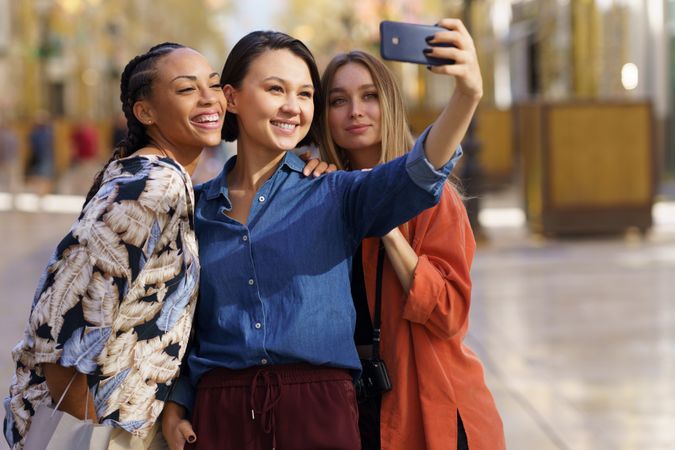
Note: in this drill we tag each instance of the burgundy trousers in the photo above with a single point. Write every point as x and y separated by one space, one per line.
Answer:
282 407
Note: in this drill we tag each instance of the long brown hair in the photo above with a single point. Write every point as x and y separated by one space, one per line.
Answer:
135 85
396 136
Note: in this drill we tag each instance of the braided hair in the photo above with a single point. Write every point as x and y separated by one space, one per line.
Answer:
135 85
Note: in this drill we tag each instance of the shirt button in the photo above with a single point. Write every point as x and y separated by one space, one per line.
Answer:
244 238
251 282
261 198
264 361
258 325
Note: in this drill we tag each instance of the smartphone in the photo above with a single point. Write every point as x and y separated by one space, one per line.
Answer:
406 42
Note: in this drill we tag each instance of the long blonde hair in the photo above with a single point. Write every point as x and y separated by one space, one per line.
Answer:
396 136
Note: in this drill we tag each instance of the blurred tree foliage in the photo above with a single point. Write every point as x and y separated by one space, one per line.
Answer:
192 23
81 46
329 27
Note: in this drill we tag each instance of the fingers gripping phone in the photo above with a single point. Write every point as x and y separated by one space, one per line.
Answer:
406 42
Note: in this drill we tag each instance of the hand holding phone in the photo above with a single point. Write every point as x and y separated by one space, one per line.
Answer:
446 49
407 42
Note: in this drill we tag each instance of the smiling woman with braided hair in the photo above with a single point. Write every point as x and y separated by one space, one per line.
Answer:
114 307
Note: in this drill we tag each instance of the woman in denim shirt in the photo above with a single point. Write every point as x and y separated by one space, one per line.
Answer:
273 355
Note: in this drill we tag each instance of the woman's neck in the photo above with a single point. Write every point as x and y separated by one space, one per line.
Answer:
188 157
254 166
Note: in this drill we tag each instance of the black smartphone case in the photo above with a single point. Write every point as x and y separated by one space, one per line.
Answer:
406 42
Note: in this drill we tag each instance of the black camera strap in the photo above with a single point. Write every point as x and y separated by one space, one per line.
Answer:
378 303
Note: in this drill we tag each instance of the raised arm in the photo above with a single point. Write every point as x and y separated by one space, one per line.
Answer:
451 125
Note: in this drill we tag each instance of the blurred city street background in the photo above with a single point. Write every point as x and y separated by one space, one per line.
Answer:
569 175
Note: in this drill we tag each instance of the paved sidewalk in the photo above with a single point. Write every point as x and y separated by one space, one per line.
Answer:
578 338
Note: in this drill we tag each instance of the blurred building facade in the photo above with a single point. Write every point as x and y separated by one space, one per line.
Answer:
63 59
530 50
66 56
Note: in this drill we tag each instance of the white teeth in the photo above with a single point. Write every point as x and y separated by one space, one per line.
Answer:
285 126
207 118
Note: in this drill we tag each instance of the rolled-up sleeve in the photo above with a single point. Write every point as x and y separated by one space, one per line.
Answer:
376 201
440 294
420 170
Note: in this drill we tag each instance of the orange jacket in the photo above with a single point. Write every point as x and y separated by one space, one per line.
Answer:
433 373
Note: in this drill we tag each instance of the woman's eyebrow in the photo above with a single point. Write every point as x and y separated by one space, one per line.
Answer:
282 81
360 88
189 77
194 78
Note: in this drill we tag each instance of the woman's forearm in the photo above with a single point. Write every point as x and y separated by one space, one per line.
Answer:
449 129
401 256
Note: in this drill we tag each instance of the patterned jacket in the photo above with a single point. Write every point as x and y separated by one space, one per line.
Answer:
116 300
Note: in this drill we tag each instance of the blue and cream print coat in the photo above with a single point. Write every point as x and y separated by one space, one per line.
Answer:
116 301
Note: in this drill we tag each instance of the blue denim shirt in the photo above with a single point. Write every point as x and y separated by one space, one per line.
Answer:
276 290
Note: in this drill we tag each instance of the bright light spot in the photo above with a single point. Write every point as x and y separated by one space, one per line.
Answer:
214 4
502 82
629 76
500 16
502 217
28 202
604 5
655 16
71 6
663 214
5 201
62 203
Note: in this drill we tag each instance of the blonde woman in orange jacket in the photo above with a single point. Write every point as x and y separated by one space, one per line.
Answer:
439 399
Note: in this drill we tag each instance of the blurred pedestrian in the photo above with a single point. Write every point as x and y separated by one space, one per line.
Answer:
273 357
84 140
413 285
84 158
10 173
40 166
113 311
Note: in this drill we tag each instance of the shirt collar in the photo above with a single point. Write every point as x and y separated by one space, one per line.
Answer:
218 186
293 162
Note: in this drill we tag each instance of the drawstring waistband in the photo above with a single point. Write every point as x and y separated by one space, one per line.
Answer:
266 413
289 373
272 380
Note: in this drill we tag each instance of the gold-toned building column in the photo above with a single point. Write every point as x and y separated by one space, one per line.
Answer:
27 67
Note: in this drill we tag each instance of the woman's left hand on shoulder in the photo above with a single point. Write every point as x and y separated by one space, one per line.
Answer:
465 68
